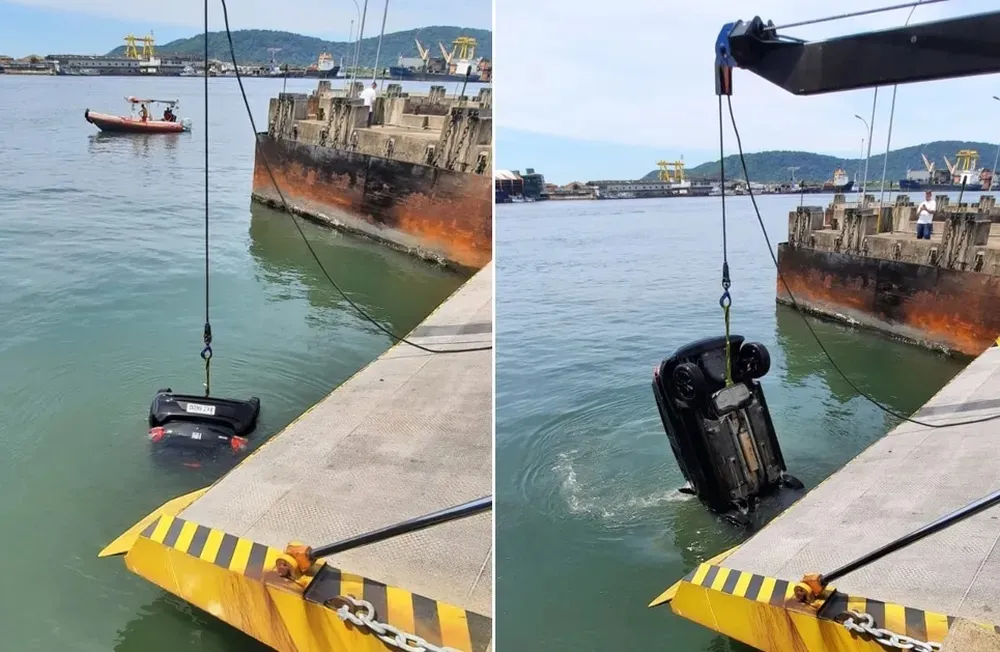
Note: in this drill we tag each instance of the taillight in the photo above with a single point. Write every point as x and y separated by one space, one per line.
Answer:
156 434
238 444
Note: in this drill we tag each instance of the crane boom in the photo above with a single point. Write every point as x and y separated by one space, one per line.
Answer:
422 51
944 49
447 55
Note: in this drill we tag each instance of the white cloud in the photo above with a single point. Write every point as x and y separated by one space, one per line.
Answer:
302 16
640 72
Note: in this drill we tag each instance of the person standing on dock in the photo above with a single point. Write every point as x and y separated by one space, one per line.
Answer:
925 216
368 95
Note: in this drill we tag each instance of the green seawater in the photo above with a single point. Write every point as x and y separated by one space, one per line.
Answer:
102 303
590 297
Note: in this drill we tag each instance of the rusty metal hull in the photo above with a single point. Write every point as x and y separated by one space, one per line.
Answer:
946 309
435 213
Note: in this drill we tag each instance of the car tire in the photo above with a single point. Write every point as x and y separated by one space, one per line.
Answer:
688 381
753 361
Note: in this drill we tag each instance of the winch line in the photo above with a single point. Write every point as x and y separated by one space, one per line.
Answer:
888 410
853 14
305 239
892 115
206 352
725 301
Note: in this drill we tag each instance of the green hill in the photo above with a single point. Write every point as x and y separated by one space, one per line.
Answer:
772 166
251 45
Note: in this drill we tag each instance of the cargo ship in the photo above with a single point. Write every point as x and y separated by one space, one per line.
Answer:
324 68
417 179
458 64
839 183
963 173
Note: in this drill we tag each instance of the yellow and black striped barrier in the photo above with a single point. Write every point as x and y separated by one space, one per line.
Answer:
234 579
764 613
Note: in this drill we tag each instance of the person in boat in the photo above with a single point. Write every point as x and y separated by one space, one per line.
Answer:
143 113
168 115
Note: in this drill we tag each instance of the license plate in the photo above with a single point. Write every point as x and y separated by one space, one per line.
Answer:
195 435
197 408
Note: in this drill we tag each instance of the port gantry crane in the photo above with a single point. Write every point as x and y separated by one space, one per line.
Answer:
943 49
671 171
464 47
132 52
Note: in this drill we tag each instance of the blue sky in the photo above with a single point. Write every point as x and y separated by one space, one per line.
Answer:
606 92
96 26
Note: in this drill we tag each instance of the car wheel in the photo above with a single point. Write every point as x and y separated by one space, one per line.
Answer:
688 381
753 360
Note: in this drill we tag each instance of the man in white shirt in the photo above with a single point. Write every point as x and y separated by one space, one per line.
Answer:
925 216
368 95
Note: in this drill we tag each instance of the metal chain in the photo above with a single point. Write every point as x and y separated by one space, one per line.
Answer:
863 623
361 613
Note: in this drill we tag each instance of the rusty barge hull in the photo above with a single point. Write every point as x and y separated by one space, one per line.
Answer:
439 214
863 265
411 172
954 311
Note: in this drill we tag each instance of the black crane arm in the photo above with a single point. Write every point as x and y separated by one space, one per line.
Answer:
957 47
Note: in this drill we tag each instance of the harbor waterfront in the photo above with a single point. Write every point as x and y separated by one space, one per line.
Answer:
588 512
101 304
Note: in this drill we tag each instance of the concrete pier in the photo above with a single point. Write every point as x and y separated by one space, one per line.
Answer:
909 478
408 435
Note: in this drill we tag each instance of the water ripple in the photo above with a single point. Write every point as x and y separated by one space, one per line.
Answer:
590 296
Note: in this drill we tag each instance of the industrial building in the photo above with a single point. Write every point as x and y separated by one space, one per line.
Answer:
512 186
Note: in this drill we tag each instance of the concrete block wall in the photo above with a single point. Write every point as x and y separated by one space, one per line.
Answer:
859 223
427 105
964 233
396 147
283 111
334 120
466 142
902 215
425 122
964 244
802 222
